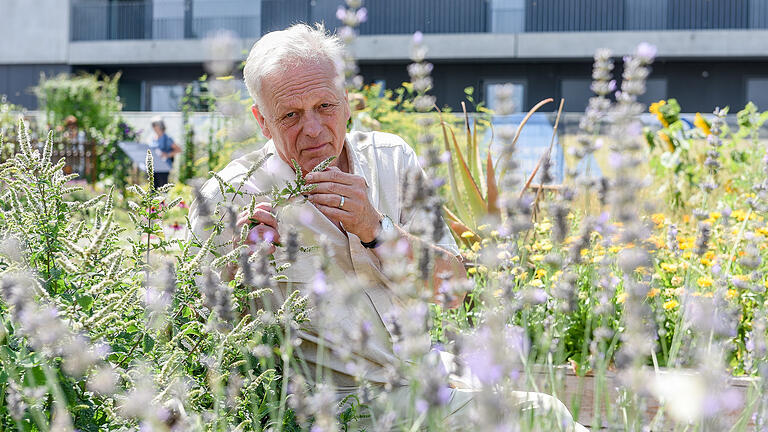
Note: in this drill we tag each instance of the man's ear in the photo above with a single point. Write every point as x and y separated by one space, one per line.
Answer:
262 122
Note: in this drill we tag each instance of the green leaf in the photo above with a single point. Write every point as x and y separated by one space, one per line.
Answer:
148 343
324 164
458 203
86 302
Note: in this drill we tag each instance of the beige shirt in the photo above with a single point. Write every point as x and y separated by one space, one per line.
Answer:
359 296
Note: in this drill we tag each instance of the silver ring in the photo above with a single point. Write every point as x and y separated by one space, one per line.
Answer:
341 203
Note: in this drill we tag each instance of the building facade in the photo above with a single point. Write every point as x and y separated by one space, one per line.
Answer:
710 52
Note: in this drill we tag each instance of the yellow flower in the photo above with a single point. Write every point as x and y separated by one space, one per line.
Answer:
664 137
715 215
762 231
677 280
483 227
702 124
537 283
731 294
658 218
472 270
669 267
475 246
708 258
670 304
621 298
739 215
537 258
467 234
705 281
653 292
655 109
540 273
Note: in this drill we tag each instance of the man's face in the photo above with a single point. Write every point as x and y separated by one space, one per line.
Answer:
305 113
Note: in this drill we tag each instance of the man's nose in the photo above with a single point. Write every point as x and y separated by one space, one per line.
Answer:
312 124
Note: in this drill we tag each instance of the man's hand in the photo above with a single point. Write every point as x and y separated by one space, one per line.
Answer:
265 229
357 215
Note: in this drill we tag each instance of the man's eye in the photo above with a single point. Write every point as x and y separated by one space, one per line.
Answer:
290 115
325 105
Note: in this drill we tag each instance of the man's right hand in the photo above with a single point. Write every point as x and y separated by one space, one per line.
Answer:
264 227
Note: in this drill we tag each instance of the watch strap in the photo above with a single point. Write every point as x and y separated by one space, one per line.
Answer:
371 244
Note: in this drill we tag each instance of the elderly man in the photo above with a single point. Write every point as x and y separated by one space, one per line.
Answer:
299 102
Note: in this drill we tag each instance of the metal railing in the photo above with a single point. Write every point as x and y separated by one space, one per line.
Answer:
193 19
167 19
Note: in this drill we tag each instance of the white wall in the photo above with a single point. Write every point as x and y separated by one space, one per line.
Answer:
34 31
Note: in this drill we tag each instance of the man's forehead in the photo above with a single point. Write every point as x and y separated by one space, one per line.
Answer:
298 82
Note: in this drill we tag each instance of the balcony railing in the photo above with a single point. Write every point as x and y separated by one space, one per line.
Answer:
193 19
163 19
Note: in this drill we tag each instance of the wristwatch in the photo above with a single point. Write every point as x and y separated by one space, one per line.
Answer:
386 227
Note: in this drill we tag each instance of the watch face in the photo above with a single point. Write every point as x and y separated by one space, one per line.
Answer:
387 225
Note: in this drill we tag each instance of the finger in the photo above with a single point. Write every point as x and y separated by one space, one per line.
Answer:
333 200
333 189
266 205
244 215
335 214
266 248
332 175
263 216
261 234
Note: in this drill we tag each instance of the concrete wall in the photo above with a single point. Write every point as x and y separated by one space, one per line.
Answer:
716 44
562 45
34 31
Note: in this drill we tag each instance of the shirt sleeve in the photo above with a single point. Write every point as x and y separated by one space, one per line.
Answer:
417 220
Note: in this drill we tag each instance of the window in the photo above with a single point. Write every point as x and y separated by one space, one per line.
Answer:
655 90
757 92
518 93
576 92
166 97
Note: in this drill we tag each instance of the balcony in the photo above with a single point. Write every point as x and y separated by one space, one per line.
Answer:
94 20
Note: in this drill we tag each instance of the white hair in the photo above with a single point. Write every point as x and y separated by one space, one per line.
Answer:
298 44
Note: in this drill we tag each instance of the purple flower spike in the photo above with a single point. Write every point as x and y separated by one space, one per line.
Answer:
418 37
362 15
646 50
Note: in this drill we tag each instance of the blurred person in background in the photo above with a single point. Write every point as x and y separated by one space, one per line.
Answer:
166 146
